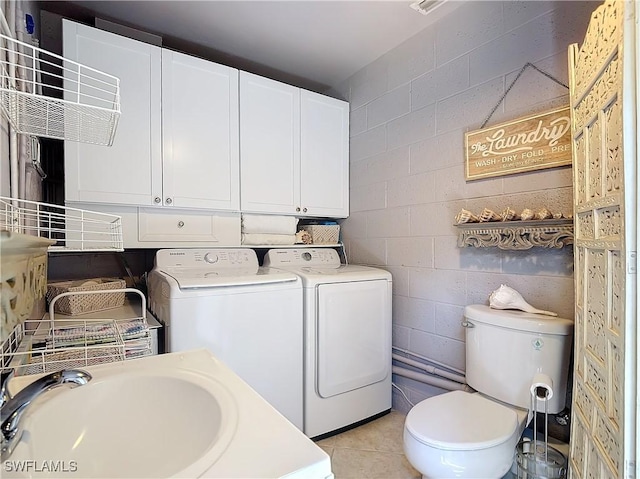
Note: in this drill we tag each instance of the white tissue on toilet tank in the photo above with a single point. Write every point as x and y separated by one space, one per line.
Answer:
510 347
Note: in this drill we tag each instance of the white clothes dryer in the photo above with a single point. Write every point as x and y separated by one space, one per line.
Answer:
347 330
249 317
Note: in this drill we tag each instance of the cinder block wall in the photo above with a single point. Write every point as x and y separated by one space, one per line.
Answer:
409 112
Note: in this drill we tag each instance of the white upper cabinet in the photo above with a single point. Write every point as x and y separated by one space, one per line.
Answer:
129 171
324 155
199 133
177 139
294 150
269 145
195 135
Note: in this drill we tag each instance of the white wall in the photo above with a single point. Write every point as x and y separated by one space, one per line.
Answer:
409 111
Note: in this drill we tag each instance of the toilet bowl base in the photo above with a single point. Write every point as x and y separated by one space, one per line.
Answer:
431 462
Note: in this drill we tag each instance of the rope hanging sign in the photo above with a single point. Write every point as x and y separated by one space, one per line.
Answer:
525 144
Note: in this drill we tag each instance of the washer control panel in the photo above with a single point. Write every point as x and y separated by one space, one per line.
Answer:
302 257
207 258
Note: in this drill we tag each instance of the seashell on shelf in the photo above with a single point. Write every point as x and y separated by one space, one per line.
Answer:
527 214
508 214
466 216
543 214
508 298
303 237
489 215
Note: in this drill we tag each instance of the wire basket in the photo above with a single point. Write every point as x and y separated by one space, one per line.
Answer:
71 343
72 228
44 94
47 346
48 359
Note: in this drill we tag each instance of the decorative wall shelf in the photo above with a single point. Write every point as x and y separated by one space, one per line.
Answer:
517 235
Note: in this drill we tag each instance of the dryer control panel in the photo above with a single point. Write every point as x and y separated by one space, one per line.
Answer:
301 257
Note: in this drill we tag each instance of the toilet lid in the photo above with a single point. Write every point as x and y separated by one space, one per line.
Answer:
461 420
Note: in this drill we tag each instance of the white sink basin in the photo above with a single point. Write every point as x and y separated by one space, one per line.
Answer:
183 414
144 422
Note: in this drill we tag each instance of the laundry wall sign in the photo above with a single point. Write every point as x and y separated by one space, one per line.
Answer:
526 144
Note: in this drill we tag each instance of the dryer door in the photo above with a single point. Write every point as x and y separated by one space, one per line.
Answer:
353 335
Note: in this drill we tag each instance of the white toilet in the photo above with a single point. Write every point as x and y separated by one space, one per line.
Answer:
474 435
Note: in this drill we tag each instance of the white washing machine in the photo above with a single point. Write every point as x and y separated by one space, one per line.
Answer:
347 358
249 317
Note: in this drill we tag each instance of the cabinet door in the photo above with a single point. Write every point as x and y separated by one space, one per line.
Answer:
269 145
199 133
324 158
129 171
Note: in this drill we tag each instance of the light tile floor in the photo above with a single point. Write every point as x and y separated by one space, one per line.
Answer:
374 451
370 451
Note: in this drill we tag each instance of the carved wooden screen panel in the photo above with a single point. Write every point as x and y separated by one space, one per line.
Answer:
599 445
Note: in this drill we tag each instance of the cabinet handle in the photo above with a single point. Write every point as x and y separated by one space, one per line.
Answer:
157 200
168 201
304 210
298 208
180 224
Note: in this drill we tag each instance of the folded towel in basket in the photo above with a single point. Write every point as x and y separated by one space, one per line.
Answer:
272 224
267 239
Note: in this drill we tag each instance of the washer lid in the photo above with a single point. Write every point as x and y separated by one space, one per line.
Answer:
461 421
200 278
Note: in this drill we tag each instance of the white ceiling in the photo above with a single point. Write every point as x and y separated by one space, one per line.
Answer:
318 44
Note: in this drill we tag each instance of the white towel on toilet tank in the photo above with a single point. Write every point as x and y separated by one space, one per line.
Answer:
270 224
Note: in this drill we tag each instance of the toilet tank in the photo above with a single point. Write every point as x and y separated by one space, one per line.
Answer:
505 349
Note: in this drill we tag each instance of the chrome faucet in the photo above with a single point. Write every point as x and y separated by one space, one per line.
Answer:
11 408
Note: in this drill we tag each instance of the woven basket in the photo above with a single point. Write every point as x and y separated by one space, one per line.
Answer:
86 303
323 234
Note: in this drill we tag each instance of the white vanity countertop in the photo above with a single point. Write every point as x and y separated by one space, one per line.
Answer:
264 445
